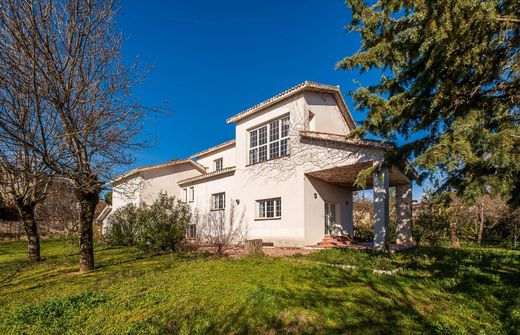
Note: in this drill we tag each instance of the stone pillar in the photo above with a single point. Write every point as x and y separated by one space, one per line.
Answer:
381 210
403 204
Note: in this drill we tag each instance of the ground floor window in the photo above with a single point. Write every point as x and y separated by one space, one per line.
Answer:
191 231
218 201
269 208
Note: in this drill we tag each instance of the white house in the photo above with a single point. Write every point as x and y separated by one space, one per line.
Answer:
289 172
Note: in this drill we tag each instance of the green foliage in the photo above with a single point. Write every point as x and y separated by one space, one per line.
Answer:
440 291
431 224
155 228
108 198
501 226
162 226
450 87
123 226
72 238
56 315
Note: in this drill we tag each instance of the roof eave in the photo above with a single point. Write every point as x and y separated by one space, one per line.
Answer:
305 86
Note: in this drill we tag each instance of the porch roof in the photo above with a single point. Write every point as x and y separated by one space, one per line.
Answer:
345 176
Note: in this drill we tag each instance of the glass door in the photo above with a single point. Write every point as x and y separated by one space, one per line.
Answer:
330 217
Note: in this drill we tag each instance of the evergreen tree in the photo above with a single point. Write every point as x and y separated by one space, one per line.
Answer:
450 88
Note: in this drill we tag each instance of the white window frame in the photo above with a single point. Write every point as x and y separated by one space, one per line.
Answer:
269 209
185 194
218 164
218 201
269 141
191 194
191 231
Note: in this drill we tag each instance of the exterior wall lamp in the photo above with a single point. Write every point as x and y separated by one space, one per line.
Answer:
237 201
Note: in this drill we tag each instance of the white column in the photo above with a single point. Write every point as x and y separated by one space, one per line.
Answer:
349 213
381 210
403 203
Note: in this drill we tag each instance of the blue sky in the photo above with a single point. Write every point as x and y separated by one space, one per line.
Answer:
213 59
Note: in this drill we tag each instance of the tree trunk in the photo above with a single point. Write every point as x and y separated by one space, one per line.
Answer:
87 202
454 237
31 230
481 223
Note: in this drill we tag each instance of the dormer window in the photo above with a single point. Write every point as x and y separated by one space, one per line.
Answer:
269 141
218 164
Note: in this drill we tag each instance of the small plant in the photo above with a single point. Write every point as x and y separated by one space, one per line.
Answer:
72 238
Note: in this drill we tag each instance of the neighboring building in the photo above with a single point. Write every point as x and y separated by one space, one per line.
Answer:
289 173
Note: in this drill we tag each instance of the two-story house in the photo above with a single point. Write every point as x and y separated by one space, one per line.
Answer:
290 172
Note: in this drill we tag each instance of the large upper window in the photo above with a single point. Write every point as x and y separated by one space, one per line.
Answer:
269 208
269 141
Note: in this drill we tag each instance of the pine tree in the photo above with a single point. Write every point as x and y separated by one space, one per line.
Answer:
449 89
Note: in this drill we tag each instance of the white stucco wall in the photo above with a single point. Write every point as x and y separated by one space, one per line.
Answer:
204 189
327 115
126 192
314 208
165 180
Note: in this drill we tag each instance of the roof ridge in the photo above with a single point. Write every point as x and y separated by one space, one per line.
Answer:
306 83
159 165
215 147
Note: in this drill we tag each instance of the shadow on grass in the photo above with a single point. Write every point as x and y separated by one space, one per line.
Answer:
443 291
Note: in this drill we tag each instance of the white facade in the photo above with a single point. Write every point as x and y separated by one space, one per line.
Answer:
307 126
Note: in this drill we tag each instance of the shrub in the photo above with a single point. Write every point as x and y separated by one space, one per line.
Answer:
155 228
162 226
123 226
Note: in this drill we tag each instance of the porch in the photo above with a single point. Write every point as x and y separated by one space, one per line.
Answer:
344 177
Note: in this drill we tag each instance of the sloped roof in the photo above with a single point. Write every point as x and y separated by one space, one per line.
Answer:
207 175
214 148
130 173
305 86
361 142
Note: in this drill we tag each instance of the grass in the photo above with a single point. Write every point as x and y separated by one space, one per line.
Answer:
441 291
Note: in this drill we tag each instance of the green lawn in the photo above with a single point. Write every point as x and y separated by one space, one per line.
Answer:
441 291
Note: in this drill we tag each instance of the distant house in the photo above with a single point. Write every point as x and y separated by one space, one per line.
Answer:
289 172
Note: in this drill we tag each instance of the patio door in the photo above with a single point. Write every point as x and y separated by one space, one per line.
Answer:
330 217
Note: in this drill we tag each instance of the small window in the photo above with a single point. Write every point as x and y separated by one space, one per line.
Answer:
191 232
218 201
185 194
270 208
192 194
219 164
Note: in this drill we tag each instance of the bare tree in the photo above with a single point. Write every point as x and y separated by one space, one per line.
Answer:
221 230
60 208
23 120
86 87
24 183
